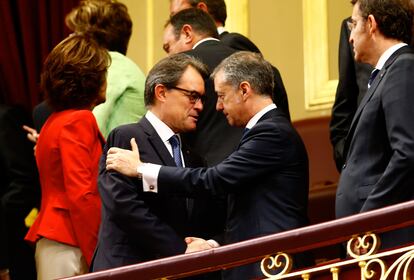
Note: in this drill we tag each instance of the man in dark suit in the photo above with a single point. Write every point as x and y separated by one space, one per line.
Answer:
193 31
19 193
218 11
137 226
379 165
352 86
266 178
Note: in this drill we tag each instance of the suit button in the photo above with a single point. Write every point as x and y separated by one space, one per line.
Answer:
343 166
151 187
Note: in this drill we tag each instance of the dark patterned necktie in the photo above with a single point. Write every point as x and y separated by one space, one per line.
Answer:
372 77
245 130
176 150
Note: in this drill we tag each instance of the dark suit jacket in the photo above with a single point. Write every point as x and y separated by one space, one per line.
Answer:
379 166
242 43
238 42
19 193
138 226
41 112
214 138
352 86
266 180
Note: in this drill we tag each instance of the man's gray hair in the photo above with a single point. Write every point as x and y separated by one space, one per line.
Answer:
247 66
168 72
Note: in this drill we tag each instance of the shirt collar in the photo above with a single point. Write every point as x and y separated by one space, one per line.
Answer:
387 54
204 40
260 114
221 29
163 130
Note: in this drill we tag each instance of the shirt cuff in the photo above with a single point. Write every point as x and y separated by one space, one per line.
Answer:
213 243
149 175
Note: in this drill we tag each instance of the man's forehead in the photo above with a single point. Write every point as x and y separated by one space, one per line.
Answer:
178 5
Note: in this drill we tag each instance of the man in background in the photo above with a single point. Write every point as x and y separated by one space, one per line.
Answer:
352 86
218 11
379 164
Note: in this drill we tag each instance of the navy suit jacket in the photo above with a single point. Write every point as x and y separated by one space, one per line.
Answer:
266 180
379 168
138 226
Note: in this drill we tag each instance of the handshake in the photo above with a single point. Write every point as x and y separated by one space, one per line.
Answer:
195 244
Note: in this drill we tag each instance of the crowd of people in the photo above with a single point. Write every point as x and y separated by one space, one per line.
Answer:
199 153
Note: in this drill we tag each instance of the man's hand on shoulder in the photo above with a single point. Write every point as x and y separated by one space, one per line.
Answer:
124 161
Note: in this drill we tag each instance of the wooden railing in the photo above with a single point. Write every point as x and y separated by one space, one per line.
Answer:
298 240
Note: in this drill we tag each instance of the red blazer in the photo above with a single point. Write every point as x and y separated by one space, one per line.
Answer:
67 156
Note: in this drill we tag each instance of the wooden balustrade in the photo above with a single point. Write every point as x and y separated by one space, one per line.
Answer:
298 240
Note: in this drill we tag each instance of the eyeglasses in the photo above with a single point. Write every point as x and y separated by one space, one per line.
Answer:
351 24
192 95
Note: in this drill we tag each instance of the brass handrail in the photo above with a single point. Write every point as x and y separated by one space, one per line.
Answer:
292 241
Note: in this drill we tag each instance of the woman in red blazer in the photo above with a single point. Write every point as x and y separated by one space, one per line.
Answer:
67 155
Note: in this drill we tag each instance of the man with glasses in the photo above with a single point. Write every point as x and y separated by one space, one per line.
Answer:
193 31
266 178
352 86
138 226
379 163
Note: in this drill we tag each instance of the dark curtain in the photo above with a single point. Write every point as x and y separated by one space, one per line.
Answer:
30 29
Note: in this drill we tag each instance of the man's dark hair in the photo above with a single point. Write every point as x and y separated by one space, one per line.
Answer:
107 21
394 17
201 22
216 8
169 71
74 73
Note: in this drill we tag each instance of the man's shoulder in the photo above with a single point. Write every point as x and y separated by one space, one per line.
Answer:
239 42
121 135
211 47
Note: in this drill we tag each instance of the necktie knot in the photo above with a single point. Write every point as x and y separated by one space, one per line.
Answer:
373 75
176 150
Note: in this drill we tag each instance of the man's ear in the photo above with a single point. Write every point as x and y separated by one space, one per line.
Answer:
372 24
245 89
159 92
187 32
202 6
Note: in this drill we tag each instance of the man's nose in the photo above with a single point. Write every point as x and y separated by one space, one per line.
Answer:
219 105
198 105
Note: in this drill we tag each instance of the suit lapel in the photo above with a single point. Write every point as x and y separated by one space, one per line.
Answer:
370 93
156 143
268 115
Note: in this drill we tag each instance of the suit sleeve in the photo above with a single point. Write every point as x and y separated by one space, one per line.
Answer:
259 155
346 97
123 198
397 100
77 141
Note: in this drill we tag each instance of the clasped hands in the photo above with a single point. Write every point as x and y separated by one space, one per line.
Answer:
127 162
195 244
